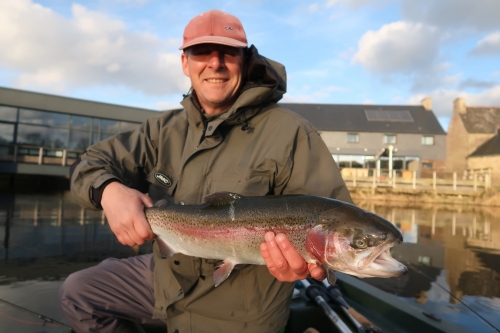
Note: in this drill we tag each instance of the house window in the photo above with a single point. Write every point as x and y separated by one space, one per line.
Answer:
389 139
428 140
427 165
352 137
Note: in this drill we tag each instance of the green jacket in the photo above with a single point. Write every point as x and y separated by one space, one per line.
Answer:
256 148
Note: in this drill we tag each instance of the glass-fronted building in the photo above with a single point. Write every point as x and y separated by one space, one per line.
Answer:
43 129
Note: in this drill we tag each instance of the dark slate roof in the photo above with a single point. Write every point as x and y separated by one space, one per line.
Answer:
490 147
352 118
481 119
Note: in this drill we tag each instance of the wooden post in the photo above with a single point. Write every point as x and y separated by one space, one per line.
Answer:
433 223
374 181
35 213
486 181
453 224
63 163
414 180
394 178
434 177
454 181
40 155
475 181
82 216
354 178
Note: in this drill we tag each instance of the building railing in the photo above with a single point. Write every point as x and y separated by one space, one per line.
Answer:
38 155
405 179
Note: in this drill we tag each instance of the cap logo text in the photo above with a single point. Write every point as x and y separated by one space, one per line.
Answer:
163 179
228 28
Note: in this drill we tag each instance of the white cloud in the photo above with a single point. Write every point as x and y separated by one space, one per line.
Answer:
405 52
287 98
352 3
55 54
442 100
167 105
139 2
368 102
313 8
489 45
398 47
457 14
331 3
476 84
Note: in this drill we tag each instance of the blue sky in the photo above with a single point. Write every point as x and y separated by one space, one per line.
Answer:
335 51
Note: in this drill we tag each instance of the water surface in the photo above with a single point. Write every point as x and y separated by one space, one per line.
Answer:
453 256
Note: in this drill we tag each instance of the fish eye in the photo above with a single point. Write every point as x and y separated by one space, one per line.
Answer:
383 236
359 242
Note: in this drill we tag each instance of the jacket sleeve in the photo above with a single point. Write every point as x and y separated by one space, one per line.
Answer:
313 170
126 157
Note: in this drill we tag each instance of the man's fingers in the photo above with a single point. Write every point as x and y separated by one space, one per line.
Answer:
143 229
294 259
147 201
317 272
125 239
279 261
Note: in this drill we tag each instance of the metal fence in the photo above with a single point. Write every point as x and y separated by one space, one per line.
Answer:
38 155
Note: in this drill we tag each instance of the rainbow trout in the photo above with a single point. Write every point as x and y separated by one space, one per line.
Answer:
334 234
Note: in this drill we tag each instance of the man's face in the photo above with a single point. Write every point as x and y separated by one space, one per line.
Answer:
216 74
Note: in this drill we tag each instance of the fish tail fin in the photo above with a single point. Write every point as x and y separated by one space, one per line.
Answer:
223 271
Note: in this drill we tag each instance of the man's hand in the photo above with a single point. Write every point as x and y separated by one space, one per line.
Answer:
284 262
124 209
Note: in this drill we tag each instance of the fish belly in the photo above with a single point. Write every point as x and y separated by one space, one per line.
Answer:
241 245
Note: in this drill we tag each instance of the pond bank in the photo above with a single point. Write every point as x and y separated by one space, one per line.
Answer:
490 197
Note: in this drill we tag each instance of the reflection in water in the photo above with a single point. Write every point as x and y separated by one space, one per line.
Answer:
55 235
453 254
455 249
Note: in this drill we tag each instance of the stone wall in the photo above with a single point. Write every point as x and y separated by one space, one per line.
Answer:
484 162
456 144
460 143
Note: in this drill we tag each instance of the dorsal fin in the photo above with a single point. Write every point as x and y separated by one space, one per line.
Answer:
161 202
221 198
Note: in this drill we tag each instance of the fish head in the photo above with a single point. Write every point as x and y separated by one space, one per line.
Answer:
356 242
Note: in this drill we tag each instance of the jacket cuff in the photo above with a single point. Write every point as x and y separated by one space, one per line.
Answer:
96 192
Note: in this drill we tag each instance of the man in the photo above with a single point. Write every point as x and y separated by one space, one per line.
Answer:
230 136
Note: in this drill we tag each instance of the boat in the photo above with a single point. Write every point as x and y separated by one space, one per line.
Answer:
384 310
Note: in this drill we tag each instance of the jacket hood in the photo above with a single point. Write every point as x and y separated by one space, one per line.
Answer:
264 81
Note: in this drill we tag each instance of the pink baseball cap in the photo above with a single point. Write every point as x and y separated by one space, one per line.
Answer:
214 27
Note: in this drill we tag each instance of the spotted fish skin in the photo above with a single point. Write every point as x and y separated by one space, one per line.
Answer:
231 227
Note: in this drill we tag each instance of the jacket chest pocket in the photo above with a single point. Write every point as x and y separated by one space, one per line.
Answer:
257 185
162 185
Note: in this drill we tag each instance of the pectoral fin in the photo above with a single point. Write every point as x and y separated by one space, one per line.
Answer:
165 250
223 271
331 278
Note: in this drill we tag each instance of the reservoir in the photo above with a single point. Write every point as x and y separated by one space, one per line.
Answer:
452 253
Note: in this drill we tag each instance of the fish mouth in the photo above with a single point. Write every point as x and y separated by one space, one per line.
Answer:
380 263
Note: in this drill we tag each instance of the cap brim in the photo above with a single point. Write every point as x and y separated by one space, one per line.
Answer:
214 40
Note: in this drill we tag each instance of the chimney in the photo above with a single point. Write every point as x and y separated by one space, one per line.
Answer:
459 105
427 103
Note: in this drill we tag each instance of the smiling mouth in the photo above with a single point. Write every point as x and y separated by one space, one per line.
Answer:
216 80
